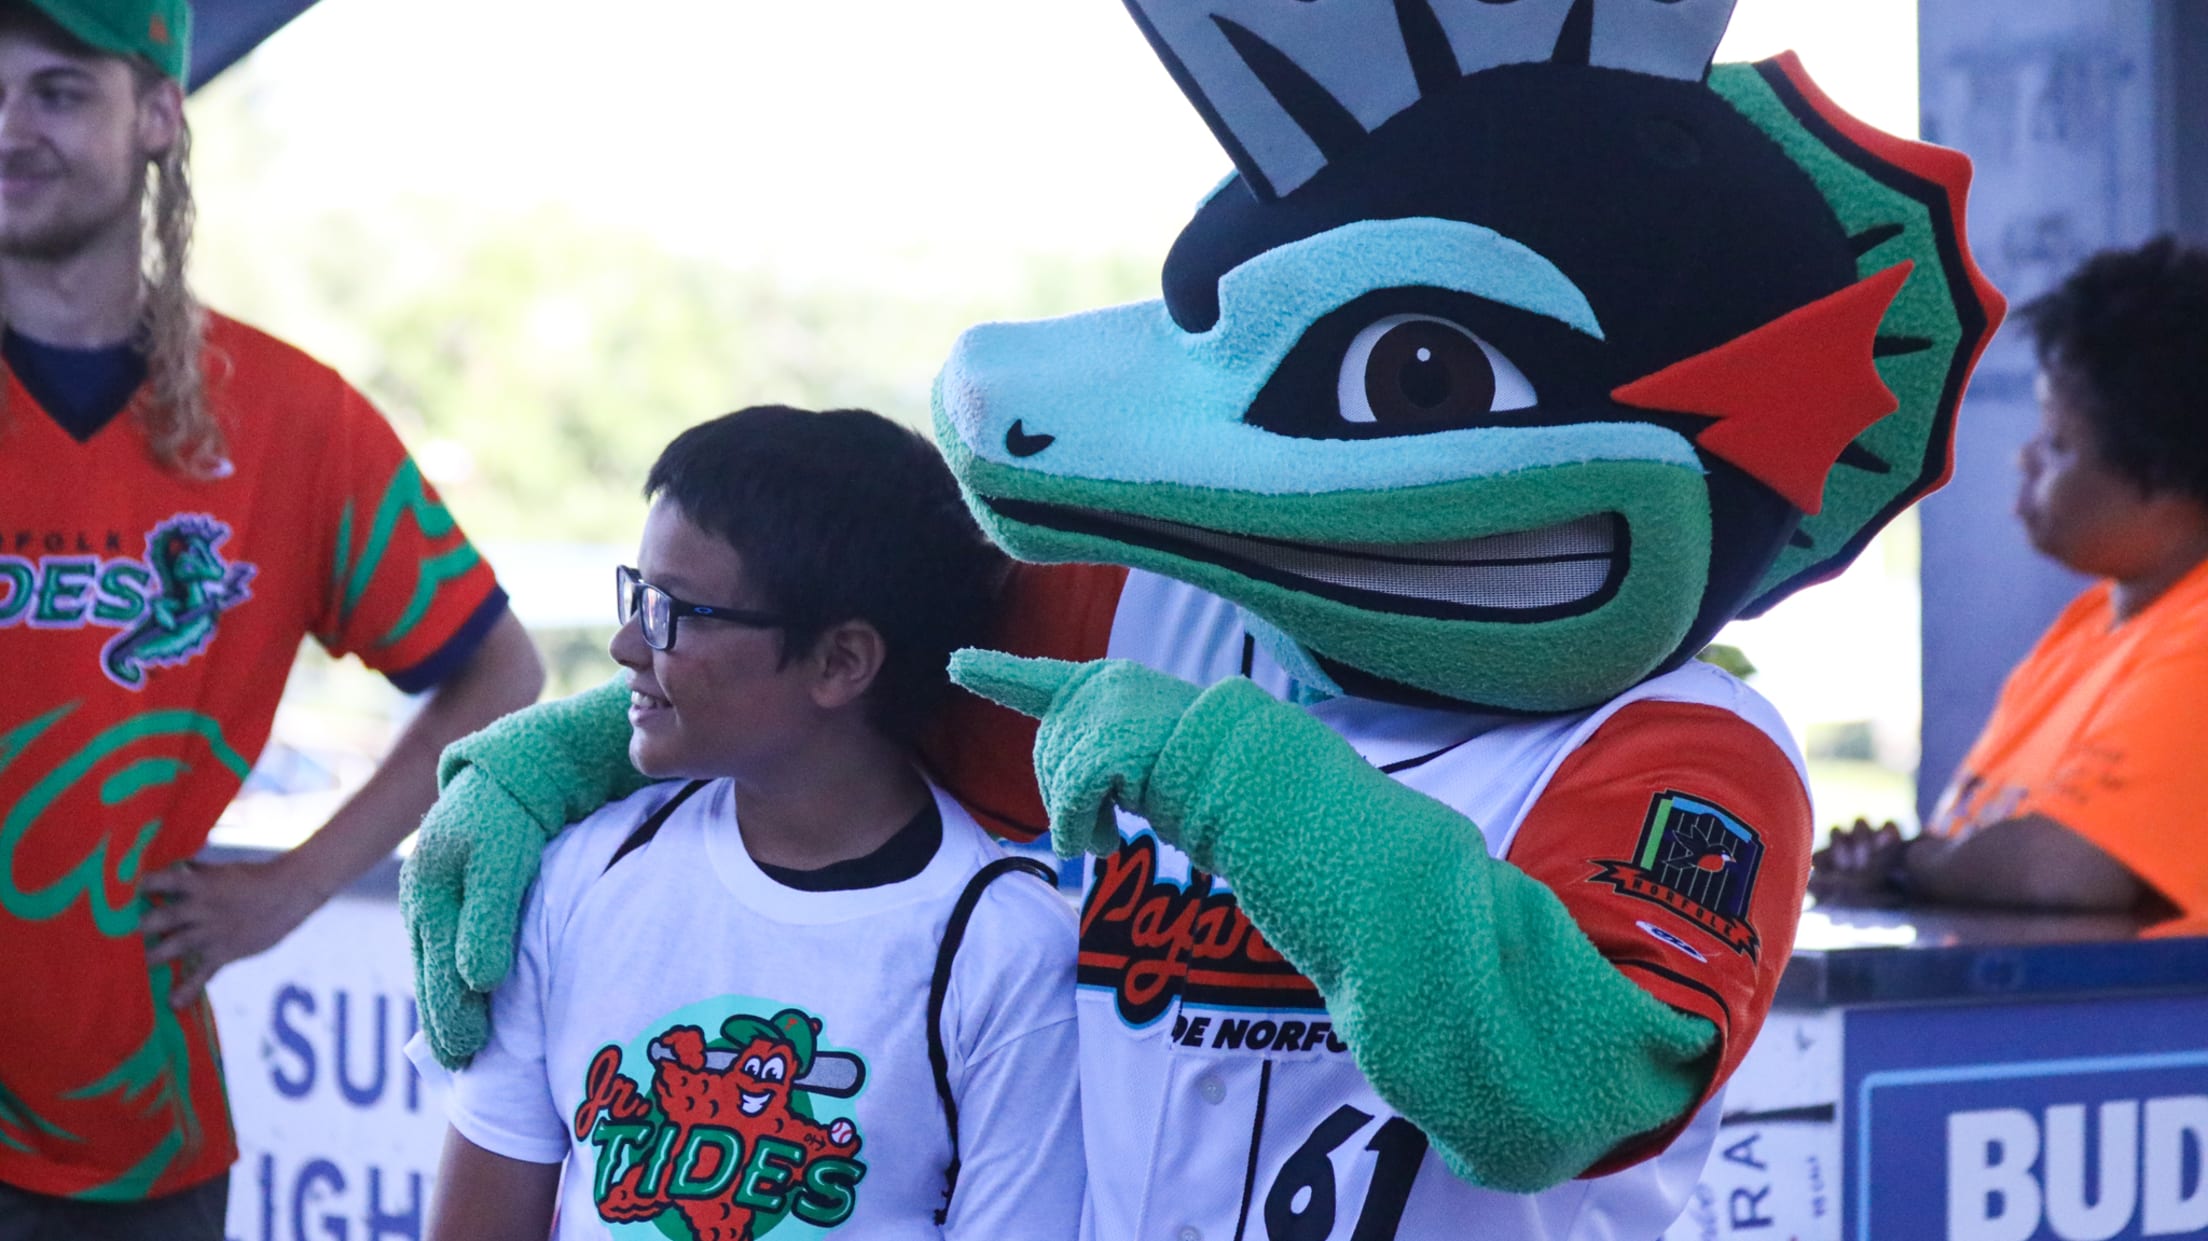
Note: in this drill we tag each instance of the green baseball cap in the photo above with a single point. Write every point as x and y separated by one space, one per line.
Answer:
789 1026
159 30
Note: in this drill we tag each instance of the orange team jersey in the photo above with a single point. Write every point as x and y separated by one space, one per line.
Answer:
147 623
1660 785
2104 729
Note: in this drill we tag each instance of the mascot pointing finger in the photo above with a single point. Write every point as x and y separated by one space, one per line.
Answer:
1437 888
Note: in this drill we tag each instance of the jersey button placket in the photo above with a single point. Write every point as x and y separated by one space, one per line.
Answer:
1211 1089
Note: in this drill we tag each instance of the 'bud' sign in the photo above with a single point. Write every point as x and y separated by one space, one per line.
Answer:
2124 1167
2018 1137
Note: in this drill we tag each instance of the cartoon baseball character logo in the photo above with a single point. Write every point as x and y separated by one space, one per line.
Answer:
736 1135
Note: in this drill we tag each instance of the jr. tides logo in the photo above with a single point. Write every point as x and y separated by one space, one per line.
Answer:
167 606
730 1141
1151 941
1699 861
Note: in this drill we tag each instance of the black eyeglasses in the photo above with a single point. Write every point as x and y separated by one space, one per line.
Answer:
633 596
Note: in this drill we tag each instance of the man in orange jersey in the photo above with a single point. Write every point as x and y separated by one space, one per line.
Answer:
182 500
2083 792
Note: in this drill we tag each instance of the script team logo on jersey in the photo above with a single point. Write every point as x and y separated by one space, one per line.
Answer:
725 1137
1151 941
1698 860
168 605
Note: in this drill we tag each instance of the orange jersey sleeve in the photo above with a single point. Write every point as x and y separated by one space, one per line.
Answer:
984 754
407 592
1678 837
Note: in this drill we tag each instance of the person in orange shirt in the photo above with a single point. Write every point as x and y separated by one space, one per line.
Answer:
183 499
2083 792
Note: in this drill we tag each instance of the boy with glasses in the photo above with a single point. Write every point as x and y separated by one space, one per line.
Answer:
731 985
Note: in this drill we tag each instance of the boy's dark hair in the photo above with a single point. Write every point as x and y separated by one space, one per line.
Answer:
843 515
2129 331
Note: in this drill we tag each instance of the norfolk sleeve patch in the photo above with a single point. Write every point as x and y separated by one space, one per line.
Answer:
1696 859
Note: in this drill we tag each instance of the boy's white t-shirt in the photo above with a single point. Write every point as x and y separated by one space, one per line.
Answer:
613 1050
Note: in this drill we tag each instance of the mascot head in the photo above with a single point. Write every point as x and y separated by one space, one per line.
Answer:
1523 350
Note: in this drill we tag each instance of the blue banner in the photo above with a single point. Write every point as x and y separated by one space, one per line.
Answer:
2023 1122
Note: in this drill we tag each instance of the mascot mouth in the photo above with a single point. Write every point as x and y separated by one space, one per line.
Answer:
752 1104
1545 573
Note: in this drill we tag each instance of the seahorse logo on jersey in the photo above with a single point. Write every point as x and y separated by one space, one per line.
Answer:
735 1136
196 586
1698 860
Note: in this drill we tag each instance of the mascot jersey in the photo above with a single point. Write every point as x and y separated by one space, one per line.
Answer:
147 623
1672 822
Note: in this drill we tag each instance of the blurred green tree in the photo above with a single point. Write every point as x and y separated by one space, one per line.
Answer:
535 361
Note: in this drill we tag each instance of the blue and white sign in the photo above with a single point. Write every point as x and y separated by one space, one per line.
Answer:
2034 1122
338 1138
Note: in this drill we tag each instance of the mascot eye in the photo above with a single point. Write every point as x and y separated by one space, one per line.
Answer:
1405 370
753 1066
773 1070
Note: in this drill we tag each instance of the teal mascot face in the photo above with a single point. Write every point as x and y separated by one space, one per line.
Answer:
1523 351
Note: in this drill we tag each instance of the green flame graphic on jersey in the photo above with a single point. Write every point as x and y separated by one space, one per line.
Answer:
142 754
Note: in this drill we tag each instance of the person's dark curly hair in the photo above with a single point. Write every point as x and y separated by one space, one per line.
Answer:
837 516
2127 333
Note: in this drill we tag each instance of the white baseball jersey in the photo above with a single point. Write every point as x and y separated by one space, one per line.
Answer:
693 1039
1225 1108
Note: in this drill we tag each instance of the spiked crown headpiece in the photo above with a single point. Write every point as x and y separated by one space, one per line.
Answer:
1288 85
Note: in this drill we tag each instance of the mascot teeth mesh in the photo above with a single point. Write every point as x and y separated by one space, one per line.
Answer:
1438 889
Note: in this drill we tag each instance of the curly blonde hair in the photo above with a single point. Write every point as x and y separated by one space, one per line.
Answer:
180 425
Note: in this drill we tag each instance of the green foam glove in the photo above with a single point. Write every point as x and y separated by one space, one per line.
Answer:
505 791
1471 1001
1103 725
473 875
558 760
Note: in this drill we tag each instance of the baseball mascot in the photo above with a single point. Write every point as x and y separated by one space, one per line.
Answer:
1438 888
